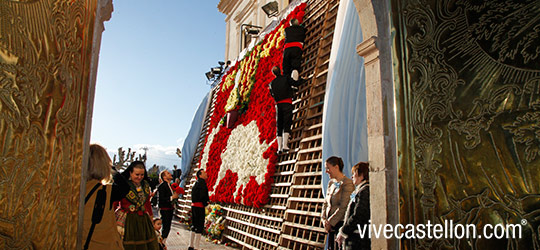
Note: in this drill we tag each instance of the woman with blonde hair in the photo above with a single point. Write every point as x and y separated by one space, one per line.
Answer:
99 224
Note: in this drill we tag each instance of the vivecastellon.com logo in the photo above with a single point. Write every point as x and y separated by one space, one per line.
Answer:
447 230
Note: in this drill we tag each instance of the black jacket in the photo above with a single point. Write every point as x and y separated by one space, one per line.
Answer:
358 215
295 34
199 192
281 88
164 195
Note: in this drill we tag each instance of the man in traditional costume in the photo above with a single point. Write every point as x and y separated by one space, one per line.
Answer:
199 200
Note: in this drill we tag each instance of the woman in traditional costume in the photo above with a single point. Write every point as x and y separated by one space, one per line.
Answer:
136 209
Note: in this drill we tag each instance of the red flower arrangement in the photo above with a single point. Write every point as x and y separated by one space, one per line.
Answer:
256 104
177 189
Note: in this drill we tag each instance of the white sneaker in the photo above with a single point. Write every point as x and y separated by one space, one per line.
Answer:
294 75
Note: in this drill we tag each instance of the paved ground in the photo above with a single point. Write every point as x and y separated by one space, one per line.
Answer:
179 238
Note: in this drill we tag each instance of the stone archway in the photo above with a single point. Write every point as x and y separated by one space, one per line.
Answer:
376 49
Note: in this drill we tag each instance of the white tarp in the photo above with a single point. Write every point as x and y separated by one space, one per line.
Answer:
190 143
344 119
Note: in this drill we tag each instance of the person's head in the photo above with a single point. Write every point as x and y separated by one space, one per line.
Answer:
157 224
334 166
276 71
295 22
201 174
165 176
99 164
360 172
136 172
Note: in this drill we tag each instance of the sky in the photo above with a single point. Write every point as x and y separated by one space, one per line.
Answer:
150 78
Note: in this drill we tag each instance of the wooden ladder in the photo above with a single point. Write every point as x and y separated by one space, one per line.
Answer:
184 209
302 228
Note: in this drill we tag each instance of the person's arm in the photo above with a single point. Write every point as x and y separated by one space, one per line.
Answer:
345 196
195 192
148 206
323 212
293 83
359 217
161 192
120 187
325 204
205 197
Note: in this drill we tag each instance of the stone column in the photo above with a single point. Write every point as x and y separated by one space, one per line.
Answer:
381 140
103 13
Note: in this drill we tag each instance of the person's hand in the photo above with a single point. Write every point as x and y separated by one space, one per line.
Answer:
152 194
327 226
340 239
175 196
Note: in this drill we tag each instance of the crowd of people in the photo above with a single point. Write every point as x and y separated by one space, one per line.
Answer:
118 211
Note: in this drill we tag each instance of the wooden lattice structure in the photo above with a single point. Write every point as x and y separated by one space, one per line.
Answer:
291 219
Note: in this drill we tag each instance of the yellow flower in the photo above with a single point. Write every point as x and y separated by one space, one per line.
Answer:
232 101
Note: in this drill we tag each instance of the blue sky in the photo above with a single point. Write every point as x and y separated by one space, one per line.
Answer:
151 74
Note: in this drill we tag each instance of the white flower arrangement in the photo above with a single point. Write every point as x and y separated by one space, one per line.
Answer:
244 155
206 150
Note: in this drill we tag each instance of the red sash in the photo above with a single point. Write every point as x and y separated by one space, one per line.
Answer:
288 100
294 44
197 204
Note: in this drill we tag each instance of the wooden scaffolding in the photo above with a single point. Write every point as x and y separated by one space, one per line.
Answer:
291 219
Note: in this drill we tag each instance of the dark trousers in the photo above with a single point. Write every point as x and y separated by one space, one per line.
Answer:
166 219
354 242
284 118
332 244
197 219
292 59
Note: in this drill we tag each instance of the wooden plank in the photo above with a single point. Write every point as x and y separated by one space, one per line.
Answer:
306 187
309 150
303 241
252 214
284 173
308 162
276 207
249 224
304 227
293 161
315 126
301 212
316 115
303 199
279 196
239 242
312 138
308 174
283 184
275 244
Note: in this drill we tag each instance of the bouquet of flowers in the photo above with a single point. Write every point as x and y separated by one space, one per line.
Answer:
177 189
215 223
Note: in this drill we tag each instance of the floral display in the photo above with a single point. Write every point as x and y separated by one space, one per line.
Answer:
214 223
177 189
240 159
